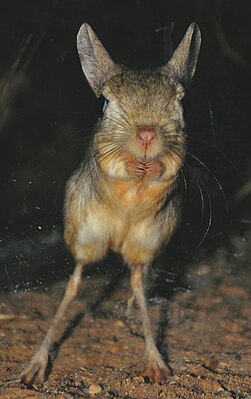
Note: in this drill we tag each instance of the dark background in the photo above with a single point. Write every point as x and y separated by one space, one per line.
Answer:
47 111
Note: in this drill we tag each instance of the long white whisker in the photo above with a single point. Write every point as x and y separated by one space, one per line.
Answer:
235 167
213 176
198 181
184 182
209 222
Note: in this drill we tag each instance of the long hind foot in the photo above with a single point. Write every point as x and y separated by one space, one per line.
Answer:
34 373
156 369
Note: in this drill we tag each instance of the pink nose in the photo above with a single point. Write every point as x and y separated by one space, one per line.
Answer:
146 135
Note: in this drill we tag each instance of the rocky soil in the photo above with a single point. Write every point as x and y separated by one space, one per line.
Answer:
204 332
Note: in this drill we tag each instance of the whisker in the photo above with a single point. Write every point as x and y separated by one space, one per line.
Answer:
112 151
69 140
213 176
197 182
119 121
96 158
184 182
235 167
200 184
211 118
109 145
114 135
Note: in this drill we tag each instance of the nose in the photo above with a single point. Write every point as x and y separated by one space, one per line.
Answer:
146 135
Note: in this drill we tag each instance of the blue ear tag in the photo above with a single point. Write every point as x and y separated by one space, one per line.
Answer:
104 106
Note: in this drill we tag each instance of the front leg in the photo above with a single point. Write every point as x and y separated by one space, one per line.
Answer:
156 369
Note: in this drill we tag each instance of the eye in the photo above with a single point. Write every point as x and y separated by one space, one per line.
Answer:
104 105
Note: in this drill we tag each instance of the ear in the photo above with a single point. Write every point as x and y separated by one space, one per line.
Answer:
95 60
183 62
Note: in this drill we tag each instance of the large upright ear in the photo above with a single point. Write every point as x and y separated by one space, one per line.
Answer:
96 63
183 62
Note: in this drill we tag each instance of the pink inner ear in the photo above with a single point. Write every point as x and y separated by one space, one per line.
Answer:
146 135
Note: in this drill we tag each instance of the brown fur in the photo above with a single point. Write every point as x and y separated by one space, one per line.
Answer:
124 196
119 194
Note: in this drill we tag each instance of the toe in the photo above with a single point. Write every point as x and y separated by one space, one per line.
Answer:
156 373
34 373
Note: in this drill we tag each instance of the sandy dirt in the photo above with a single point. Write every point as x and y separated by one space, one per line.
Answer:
204 331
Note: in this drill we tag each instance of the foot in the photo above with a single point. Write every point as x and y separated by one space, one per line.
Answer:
156 369
130 303
34 373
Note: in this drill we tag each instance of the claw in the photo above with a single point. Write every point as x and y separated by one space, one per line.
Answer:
35 371
156 369
155 373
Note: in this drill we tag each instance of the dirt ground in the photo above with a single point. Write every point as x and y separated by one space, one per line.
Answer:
206 336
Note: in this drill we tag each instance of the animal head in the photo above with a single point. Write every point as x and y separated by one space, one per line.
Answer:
144 115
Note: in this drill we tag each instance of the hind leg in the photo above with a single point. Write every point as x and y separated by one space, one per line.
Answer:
156 369
36 369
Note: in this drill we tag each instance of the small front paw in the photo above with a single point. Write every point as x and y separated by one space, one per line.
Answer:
141 169
135 169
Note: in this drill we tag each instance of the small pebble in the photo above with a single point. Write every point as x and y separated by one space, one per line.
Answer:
139 379
117 384
120 324
94 389
219 390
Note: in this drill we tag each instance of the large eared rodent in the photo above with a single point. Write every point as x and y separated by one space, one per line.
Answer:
124 196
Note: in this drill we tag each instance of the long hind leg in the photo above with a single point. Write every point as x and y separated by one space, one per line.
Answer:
156 369
36 369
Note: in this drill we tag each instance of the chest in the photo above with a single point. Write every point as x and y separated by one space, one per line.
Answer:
139 197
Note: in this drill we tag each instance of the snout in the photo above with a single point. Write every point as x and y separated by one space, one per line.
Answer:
146 135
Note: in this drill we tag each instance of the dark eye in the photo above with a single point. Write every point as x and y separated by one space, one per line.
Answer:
104 105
